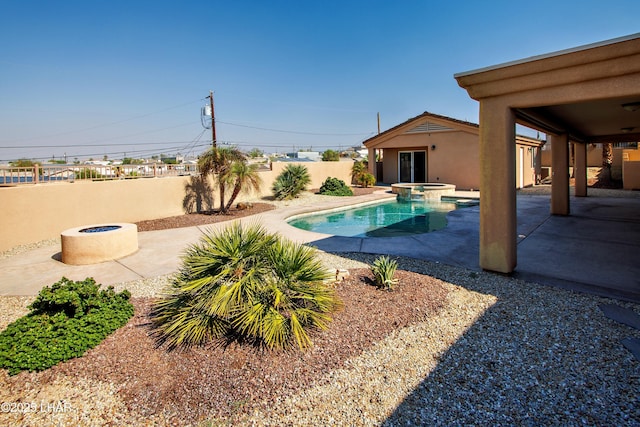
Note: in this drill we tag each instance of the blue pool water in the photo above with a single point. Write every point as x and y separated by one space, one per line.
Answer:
387 219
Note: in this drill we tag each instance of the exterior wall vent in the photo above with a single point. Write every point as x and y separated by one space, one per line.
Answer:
428 127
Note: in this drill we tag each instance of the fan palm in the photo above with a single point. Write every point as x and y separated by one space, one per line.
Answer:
246 179
244 283
291 182
219 162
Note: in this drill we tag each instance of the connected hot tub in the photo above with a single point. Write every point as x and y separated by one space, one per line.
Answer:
92 244
422 191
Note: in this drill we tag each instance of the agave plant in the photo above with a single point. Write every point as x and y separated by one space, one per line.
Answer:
246 284
383 270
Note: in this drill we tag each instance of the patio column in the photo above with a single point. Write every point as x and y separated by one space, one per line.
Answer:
498 237
372 162
560 174
580 169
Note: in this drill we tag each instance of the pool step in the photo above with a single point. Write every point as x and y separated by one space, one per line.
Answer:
461 200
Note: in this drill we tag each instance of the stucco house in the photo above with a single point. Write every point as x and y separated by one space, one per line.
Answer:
435 148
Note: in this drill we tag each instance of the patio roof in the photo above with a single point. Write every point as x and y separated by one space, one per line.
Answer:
583 95
589 92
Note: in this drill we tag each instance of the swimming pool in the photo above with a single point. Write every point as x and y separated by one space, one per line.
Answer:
386 219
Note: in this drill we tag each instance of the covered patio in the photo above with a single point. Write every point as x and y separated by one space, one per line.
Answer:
588 94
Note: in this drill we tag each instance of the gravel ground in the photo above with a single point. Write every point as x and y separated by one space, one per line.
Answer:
493 351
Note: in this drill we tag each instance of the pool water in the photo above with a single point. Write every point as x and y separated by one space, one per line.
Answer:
387 219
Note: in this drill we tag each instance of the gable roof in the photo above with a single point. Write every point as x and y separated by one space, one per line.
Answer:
423 124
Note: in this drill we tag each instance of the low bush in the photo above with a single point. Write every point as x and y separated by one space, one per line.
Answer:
335 187
246 285
383 270
64 321
366 180
291 182
330 156
87 173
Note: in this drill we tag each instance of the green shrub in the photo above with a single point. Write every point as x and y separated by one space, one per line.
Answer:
330 156
360 174
291 182
383 270
335 187
64 321
87 173
244 284
366 180
358 169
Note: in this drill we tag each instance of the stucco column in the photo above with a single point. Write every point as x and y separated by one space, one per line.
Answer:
580 169
498 237
560 174
372 162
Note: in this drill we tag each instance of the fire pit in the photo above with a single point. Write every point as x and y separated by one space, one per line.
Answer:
92 244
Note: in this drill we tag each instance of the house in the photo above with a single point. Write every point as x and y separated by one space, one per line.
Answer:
435 148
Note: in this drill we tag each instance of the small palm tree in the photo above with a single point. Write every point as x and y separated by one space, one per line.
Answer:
219 162
360 174
248 285
246 178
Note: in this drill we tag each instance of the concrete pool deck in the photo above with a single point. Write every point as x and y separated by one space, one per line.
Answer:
593 250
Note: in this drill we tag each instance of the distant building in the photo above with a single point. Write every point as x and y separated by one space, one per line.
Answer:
310 155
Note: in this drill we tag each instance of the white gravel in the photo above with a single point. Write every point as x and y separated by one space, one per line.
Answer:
503 352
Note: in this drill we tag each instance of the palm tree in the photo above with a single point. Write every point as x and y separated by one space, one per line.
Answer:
247 179
607 159
219 161
243 283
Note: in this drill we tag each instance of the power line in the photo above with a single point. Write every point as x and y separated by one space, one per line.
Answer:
291 131
111 123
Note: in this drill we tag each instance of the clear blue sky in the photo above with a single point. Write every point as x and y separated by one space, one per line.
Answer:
94 78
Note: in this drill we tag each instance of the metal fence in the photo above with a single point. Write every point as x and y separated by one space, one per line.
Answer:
38 174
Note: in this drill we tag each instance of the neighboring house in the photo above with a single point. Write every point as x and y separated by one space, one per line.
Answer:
435 148
309 155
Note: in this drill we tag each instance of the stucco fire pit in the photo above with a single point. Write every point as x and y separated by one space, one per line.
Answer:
92 244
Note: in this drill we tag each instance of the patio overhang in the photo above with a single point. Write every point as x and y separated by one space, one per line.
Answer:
584 95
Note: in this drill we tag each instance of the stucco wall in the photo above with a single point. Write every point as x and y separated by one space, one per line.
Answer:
528 171
631 169
594 156
31 213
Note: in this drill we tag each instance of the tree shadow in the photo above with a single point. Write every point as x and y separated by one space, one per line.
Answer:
198 196
605 179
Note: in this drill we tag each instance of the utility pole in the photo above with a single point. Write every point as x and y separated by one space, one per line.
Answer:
213 121
378 123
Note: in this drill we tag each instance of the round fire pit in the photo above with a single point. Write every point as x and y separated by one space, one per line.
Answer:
92 244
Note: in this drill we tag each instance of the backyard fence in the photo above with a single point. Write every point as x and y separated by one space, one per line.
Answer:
37 174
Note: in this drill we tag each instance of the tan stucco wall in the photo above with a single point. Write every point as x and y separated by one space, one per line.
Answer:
42 211
594 159
631 169
528 171
594 156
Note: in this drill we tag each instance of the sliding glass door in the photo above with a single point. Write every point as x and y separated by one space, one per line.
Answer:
412 166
